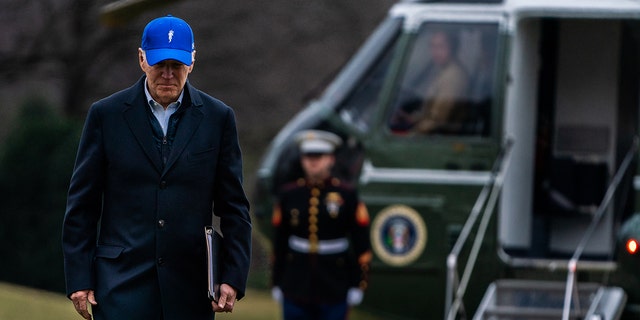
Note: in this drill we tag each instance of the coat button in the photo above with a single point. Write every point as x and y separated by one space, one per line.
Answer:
163 184
160 223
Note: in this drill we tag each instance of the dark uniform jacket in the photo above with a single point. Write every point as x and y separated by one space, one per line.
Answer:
321 246
134 226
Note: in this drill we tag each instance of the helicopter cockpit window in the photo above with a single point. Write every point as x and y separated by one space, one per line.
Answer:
447 84
358 108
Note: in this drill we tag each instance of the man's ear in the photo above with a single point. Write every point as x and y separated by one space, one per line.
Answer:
142 58
333 160
193 60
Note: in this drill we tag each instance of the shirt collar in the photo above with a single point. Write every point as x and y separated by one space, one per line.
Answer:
153 103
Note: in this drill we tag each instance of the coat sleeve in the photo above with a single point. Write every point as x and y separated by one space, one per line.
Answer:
84 203
232 206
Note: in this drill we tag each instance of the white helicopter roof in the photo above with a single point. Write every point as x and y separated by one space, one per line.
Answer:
575 8
629 9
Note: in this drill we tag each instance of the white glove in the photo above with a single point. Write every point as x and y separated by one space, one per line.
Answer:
354 296
276 294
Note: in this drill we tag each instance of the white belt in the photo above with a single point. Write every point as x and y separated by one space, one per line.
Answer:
323 246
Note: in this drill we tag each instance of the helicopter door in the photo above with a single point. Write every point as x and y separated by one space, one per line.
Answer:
583 114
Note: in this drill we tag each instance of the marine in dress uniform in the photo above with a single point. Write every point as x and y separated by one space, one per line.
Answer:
322 250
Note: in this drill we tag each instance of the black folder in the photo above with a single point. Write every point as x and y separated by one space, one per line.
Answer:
214 241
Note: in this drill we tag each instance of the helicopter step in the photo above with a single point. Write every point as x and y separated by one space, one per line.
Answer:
535 299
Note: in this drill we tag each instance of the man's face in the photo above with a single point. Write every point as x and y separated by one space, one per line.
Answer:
440 48
165 79
317 166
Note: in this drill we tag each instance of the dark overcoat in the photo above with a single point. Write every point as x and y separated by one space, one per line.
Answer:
134 227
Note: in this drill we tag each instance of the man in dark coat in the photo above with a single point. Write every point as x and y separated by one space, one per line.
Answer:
155 162
321 245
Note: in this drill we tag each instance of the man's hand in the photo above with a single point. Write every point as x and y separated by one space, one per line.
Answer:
80 299
276 294
354 296
226 300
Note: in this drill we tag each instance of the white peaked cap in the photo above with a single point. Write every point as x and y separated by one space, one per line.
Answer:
317 141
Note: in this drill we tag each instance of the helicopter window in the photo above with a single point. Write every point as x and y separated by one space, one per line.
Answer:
447 84
358 108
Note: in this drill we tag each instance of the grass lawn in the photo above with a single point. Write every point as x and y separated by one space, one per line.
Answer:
21 303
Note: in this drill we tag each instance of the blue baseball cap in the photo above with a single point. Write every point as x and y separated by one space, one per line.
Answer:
167 38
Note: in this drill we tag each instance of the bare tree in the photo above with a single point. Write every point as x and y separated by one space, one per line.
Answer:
62 43
261 57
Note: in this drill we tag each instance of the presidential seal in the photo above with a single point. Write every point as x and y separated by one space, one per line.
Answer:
398 235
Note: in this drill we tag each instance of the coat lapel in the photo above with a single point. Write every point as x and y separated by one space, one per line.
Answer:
188 125
138 121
